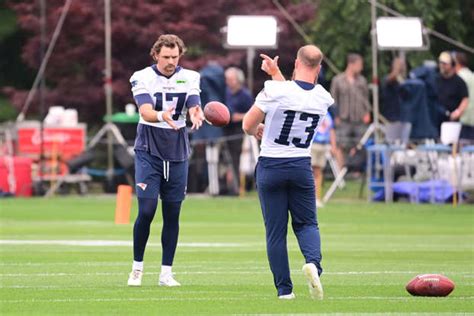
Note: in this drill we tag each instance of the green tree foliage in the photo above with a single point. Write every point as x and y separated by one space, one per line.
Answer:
13 72
75 72
343 26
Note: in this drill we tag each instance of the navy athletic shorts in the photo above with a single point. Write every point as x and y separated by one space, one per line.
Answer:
157 178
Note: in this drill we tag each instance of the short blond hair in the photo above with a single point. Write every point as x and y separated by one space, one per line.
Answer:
310 55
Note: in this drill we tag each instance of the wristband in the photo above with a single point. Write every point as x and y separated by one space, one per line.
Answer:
159 116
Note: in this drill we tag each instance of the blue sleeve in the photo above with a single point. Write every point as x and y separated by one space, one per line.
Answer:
143 98
193 100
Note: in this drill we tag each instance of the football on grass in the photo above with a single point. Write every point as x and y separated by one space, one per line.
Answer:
430 285
216 114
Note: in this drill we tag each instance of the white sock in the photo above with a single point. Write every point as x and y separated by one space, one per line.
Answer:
165 270
137 265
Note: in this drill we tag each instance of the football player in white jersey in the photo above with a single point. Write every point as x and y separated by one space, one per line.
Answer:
291 112
164 92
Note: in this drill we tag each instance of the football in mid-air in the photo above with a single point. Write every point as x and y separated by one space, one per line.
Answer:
216 113
430 285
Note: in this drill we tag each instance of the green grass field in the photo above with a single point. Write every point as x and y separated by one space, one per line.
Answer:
370 251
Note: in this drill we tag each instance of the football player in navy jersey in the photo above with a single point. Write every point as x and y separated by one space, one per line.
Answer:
292 111
164 93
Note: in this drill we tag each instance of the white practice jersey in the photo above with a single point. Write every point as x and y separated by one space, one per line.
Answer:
292 115
165 93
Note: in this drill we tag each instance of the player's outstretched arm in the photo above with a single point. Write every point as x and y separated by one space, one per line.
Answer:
270 66
197 116
152 116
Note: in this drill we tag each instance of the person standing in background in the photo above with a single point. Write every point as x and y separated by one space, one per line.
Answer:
390 90
207 139
451 89
324 141
351 95
239 100
467 118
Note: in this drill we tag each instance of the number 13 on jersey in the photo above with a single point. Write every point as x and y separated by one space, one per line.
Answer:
284 137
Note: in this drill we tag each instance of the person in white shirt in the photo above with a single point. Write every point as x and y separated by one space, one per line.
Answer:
164 93
291 112
467 113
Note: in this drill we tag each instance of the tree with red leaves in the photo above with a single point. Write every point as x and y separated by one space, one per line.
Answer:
76 69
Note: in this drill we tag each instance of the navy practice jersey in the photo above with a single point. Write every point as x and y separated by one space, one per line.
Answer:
179 91
293 110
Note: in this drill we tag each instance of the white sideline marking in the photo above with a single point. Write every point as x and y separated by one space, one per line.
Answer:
242 297
213 271
243 265
32 287
120 243
70 300
67 274
400 298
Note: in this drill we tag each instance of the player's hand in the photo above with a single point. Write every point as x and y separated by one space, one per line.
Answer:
270 66
197 117
168 118
259 133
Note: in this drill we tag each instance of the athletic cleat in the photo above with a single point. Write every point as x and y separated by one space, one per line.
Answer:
135 278
168 280
290 296
315 288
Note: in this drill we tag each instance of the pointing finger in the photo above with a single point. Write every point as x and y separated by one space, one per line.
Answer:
265 57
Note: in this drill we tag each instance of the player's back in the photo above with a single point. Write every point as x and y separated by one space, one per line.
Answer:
293 110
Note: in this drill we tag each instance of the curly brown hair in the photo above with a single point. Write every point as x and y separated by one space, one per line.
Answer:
168 40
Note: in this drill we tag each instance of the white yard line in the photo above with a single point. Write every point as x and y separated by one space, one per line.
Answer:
121 243
212 272
240 298
32 287
244 265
